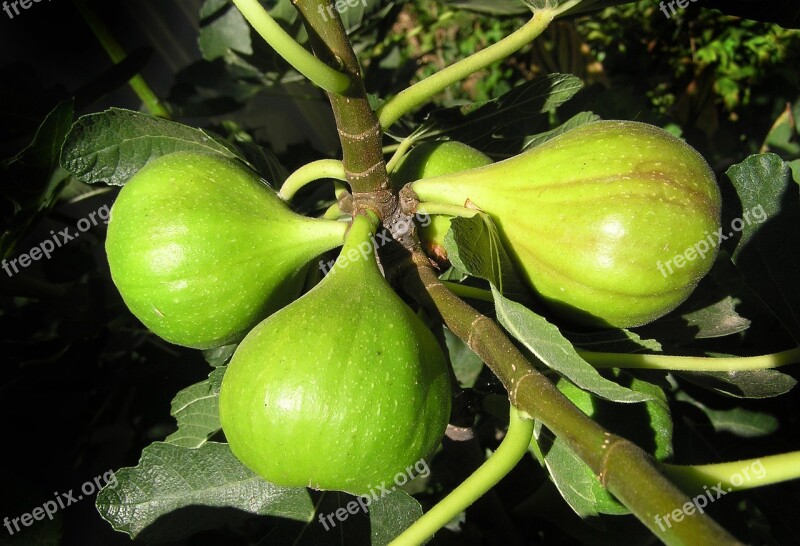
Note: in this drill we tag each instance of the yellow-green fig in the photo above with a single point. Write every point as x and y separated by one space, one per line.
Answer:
612 223
343 389
201 249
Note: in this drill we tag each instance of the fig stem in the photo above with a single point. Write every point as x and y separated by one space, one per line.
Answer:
430 208
322 75
401 150
497 466
735 476
117 54
470 292
334 212
310 172
419 93
691 363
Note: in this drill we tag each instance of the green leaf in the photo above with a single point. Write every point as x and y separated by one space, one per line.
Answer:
795 166
576 482
738 421
391 515
226 31
717 320
491 7
575 121
112 146
510 113
171 492
466 364
196 409
33 179
613 341
746 384
770 232
473 245
547 344
219 356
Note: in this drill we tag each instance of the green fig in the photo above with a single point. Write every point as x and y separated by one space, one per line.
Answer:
611 223
340 390
435 159
201 249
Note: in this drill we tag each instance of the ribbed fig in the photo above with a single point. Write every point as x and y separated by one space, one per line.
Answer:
202 249
340 390
612 223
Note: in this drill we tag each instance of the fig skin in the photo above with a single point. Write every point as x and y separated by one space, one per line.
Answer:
201 249
341 390
593 217
436 158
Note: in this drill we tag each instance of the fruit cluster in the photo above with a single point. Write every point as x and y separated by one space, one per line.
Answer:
344 386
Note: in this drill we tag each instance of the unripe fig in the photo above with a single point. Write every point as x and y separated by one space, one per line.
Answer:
201 249
435 159
342 389
595 218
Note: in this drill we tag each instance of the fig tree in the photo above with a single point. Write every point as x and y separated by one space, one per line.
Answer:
612 223
342 389
201 248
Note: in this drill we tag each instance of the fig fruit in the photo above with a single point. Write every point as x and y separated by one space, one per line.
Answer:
435 159
612 223
201 249
340 390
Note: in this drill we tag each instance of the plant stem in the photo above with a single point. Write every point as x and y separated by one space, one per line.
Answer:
333 212
429 208
414 96
503 460
691 363
626 470
401 150
117 54
324 168
736 476
470 292
287 47
359 131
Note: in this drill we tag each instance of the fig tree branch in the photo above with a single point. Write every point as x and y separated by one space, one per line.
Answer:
626 470
359 131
